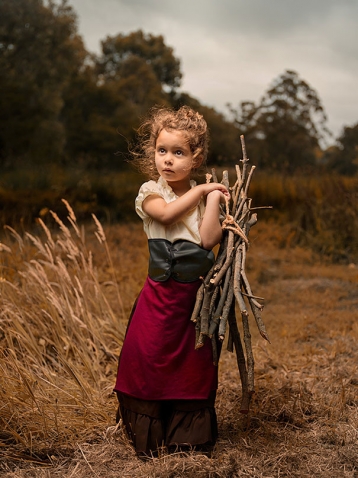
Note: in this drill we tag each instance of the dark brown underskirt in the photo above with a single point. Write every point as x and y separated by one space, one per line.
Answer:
175 424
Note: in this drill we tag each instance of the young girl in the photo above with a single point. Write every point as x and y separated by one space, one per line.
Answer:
166 389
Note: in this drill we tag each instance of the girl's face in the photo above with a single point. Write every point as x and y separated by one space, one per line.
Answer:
173 157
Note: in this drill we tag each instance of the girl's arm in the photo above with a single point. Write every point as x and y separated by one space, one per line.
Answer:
210 229
170 213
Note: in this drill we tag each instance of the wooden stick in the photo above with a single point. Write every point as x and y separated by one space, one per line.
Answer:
245 159
240 206
228 260
241 362
213 302
236 188
204 313
259 321
248 348
225 179
197 331
207 310
226 310
214 347
199 300
220 306
200 342
215 178
249 179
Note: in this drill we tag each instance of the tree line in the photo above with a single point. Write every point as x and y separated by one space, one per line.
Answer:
61 104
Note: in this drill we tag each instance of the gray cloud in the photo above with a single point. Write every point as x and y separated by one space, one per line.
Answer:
255 17
230 50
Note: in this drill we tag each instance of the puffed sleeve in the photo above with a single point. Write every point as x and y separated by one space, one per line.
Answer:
147 189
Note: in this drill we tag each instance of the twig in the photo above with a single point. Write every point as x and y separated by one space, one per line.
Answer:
226 310
241 362
217 314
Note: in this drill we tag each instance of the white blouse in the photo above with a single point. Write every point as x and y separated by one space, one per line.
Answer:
187 228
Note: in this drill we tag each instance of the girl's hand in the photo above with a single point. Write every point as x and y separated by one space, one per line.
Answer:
210 229
219 195
211 187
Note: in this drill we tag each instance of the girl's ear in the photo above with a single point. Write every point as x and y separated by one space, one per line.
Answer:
198 161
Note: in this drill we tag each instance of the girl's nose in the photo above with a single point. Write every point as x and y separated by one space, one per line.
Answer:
168 159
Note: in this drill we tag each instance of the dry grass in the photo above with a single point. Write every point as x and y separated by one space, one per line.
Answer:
60 335
57 407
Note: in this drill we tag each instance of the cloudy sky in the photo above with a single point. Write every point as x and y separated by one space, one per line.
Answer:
231 50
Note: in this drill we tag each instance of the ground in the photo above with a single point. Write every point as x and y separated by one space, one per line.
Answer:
303 420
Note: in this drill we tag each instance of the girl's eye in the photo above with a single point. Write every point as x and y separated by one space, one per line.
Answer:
179 153
161 150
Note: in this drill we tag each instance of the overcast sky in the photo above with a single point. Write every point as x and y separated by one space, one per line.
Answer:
231 50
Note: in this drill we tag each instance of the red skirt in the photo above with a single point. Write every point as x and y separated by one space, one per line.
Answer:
158 360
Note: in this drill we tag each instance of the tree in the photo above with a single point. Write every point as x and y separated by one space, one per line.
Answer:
104 103
140 69
343 158
88 118
39 50
123 52
287 126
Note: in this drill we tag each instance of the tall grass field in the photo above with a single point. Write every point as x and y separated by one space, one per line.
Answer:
66 289
321 208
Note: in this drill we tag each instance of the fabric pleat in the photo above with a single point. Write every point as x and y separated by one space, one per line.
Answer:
174 424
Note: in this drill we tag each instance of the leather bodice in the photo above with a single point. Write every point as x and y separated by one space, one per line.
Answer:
182 260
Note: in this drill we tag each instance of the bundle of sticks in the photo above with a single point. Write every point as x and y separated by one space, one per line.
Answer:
226 287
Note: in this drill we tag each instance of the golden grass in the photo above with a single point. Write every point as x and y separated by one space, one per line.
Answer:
59 334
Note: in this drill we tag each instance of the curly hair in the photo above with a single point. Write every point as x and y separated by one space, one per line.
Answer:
185 119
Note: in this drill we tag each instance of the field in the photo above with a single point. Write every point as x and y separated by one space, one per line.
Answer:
321 208
65 295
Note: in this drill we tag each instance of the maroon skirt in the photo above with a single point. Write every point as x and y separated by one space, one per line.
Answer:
166 389
158 359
